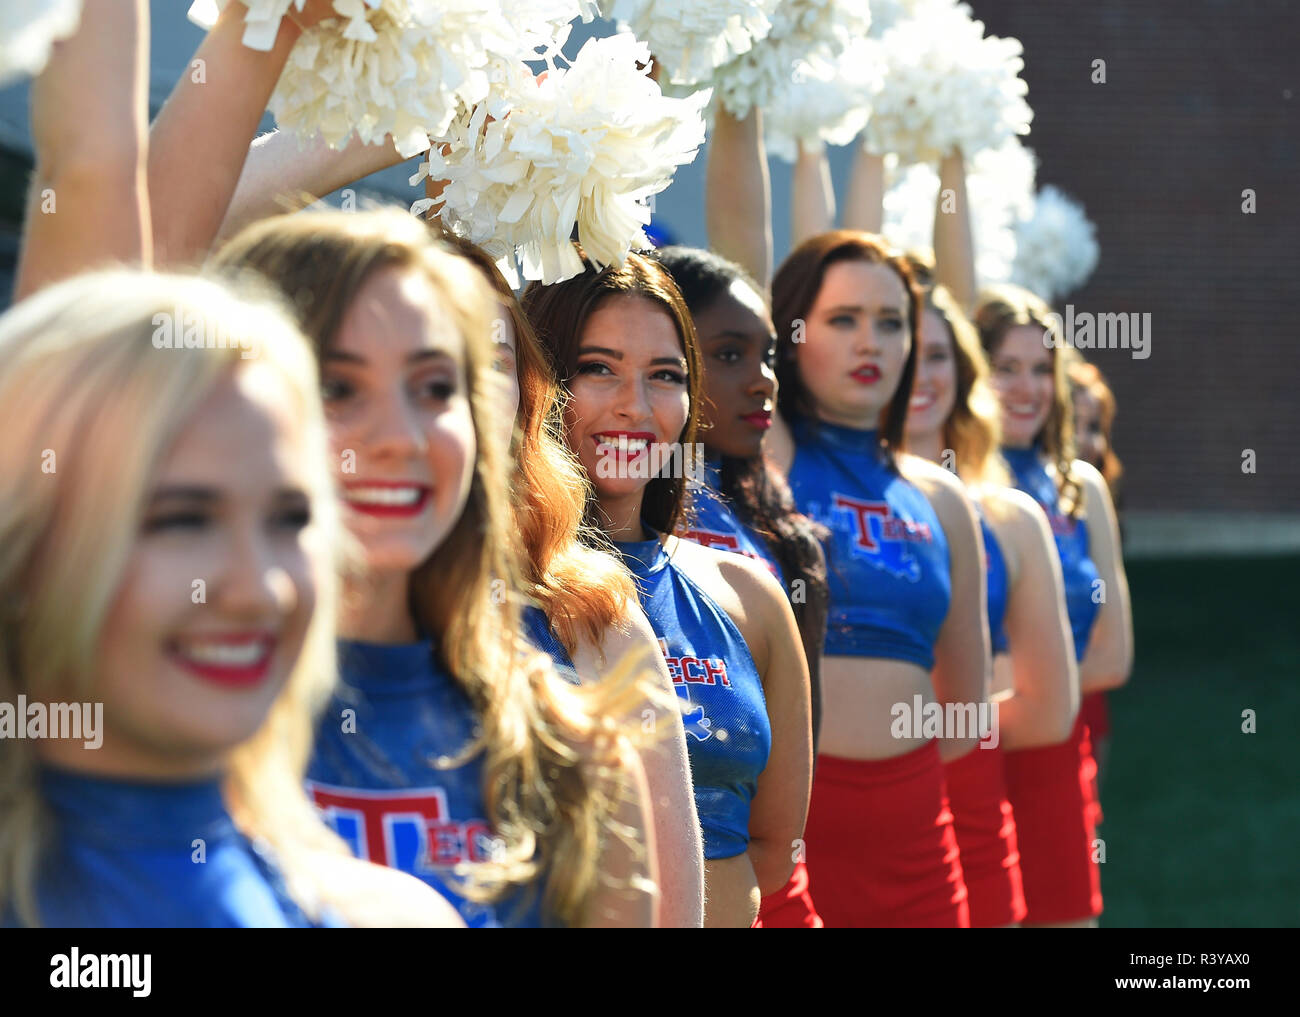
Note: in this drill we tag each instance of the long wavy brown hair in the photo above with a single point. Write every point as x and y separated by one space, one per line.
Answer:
794 292
559 314
581 588
1000 309
550 816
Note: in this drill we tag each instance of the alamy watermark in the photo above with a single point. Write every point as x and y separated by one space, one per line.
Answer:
1088 331
921 719
643 460
193 330
82 722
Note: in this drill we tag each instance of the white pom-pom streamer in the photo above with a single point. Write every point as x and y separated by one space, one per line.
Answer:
28 31
999 189
802 30
586 146
946 87
689 38
825 103
1056 246
399 67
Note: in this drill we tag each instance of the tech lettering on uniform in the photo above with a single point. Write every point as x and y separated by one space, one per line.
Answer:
886 552
729 736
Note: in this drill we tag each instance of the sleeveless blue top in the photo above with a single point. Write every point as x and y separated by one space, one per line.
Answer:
1077 567
124 855
996 569
716 524
729 736
374 776
887 556
537 627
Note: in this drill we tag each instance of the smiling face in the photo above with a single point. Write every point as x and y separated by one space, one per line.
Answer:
738 350
184 682
396 398
856 343
1023 378
629 390
935 391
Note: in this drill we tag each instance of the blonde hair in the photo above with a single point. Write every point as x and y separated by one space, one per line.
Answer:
973 428
1002 308
550 815
79 365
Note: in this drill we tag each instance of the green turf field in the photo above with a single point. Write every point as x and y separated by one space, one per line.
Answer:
1202 824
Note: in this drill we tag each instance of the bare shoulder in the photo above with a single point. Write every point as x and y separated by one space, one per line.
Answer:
374 896
945 491
1094 484
1013 511
709 566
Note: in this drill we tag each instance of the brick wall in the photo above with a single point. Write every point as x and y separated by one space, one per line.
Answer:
1201 101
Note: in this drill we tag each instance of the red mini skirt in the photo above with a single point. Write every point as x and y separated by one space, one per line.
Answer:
791 907
1096 714
881 850
1052 792
986 834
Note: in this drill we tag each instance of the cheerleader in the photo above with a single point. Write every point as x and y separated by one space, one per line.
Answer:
1094 422
1051 788
585 606
168 528
744 505
907 588
448 750
623 342
953 413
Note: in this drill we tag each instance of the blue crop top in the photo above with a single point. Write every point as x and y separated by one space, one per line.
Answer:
127 854
996 570
373 774
716 524
537 627
729 736
1077 568
887 555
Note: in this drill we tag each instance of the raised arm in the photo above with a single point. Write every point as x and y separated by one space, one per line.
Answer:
198 143
812 209
1109 657
1038 680
738 194
864 208
88 203
954 247
284 174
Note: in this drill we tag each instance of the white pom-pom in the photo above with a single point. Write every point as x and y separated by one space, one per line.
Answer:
398 67
802 30
1056 246
825 103
689 38
946 87
28 31
999 190
586 146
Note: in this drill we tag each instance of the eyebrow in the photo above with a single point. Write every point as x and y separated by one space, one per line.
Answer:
617 355
859 309
210 495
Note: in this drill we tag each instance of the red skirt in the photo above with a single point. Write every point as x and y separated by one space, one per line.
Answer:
1051 790
790 907
986 833
1096 714
881 850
